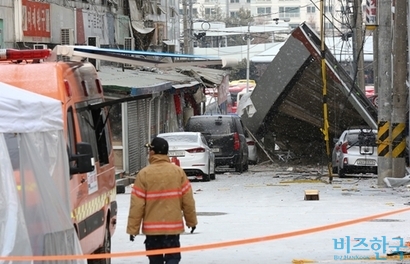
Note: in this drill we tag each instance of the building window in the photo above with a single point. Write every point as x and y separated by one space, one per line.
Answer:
248 1
234 1
329 25
311 9
208 11
345 10
328 9
263 10
289 11
233 14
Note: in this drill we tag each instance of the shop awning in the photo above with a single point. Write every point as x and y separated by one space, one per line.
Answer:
120 84
208 76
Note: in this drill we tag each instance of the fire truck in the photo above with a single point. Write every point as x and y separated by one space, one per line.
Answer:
76 85
87 133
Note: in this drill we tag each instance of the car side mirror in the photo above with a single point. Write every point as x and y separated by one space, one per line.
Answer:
335 140
83 159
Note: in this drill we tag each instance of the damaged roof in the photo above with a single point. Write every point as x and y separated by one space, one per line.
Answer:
288 98
117 82
208 76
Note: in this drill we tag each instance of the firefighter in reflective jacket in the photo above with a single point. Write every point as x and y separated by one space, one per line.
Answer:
161 197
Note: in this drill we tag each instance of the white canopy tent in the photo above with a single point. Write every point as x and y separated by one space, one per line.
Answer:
34 178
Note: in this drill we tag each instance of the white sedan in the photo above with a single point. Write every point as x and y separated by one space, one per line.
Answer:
193 153
252 151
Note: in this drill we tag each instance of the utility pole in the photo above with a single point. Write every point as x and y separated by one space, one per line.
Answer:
188 25
191 28
385 84
325 128
185 24
357 22
408 52
399 98
227 9
248 42
375 59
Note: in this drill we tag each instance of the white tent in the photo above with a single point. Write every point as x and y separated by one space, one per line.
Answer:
34 177
24 112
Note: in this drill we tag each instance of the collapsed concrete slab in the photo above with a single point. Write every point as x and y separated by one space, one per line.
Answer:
288 99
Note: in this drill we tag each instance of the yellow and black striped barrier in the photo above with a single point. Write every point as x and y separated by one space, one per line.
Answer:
383 143
398 140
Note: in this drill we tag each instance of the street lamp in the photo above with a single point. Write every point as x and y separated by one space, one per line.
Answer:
286 19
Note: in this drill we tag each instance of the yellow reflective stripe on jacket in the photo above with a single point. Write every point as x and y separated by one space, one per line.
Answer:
156 194
162 226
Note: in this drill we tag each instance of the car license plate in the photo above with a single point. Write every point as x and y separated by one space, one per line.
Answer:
367 162
176 153
198 177
215 149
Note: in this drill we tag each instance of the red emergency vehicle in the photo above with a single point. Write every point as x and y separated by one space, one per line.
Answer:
86 127
235 87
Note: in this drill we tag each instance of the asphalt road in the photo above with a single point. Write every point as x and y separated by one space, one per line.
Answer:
261 216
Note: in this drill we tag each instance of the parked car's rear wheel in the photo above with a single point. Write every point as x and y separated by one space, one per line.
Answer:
213 175
245 167
341 172
239 167
214 168
253 162
207 176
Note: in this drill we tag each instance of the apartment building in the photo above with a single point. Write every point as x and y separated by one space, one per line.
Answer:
295 11
129 24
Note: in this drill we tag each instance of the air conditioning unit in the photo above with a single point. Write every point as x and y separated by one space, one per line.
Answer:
129 44
94 41
67 36
40 46
168 46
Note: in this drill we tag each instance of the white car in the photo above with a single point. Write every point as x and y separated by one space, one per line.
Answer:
194 155
252 151
355 152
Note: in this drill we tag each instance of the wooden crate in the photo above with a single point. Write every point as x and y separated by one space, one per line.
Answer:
311 195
